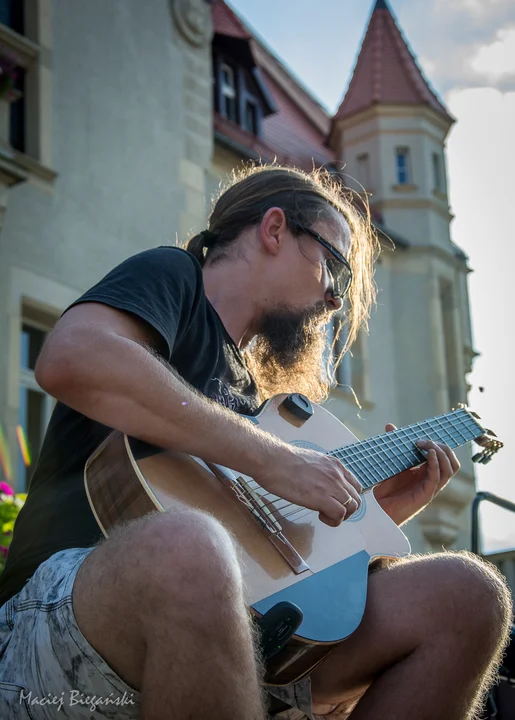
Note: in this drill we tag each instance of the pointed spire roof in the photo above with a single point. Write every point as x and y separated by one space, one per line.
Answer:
386 72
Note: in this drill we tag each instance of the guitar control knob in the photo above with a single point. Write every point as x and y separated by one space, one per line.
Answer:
299 405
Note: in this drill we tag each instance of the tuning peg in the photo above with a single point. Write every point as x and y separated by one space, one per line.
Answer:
490 432
477 457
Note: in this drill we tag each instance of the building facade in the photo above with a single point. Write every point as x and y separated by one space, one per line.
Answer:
125 119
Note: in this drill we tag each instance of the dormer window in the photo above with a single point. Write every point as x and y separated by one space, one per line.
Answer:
228 92
240 92
238 98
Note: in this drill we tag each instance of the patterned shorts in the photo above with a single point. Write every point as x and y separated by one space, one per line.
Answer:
49 671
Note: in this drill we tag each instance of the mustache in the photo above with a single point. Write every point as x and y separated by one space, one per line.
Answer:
302 321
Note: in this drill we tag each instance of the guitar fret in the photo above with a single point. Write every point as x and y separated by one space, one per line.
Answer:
359 465
381 456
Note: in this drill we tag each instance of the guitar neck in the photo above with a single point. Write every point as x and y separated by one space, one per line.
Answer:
374 460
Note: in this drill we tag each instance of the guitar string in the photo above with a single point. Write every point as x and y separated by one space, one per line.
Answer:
384 442
411 456
274 502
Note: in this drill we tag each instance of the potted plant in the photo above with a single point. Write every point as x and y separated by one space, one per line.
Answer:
10 505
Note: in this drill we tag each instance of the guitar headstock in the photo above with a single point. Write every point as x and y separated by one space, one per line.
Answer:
487 439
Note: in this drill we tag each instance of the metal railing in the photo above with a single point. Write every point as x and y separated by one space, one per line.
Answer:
488 497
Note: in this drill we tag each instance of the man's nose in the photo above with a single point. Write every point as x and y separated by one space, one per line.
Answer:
334 304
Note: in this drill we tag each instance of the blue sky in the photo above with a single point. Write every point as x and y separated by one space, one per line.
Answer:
466 49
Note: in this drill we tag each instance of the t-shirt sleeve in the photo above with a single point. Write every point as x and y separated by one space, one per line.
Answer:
161 286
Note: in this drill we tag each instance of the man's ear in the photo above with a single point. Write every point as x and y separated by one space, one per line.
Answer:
272 229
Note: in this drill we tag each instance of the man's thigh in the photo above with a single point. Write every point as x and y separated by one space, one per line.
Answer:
47 667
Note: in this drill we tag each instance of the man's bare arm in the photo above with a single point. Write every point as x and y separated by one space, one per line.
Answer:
95 362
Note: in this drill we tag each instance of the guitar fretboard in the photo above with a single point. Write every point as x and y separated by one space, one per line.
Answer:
382 456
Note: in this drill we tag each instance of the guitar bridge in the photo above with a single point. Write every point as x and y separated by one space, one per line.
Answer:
245 494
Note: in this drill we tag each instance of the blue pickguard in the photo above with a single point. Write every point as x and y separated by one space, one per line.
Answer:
333 600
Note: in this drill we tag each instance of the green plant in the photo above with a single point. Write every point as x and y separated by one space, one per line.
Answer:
10 505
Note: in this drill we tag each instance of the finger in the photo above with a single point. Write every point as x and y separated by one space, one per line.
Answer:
348 489
433 470
350 504
453 460
353 480
444 463
446 471
349 478
389 427
329 520
352 507
333 512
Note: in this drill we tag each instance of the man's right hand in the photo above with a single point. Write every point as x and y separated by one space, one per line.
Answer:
313 480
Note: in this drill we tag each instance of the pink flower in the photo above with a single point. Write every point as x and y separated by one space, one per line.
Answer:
6 489
3 550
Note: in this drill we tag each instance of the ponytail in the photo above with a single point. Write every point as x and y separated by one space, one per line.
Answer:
195 246
205 240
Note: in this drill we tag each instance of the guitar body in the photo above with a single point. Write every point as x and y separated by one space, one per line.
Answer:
321 569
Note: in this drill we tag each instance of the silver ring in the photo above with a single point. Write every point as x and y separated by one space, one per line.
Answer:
349 499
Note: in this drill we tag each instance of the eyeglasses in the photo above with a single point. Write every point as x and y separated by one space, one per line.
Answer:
337 266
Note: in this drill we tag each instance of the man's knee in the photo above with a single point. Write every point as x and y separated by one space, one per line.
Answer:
187 553
472 593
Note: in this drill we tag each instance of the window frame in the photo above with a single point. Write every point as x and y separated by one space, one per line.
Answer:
363 168
438 175
240 93
403 152
228 92
251 101
27 381
32 52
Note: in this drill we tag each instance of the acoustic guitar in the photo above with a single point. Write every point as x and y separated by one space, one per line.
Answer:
286 552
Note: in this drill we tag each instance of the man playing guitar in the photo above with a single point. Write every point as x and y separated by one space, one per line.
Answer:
169 348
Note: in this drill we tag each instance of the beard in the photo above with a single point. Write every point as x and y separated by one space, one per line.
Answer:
286 336
287 353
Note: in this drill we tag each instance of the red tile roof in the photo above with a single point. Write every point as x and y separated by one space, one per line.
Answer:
290 131
386 71
226 22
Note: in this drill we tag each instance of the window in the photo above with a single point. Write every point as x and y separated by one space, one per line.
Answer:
438 183
237 95
343 374
17 132
403 166
363 177
12 15
349 374
35 406
228 92
24 32
454 377
250 119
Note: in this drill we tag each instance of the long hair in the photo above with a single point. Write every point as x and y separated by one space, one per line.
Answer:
305 198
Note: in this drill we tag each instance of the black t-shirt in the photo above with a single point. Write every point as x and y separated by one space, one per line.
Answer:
164 287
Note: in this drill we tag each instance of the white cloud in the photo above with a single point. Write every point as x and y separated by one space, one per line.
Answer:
452 36
476 8
481 158
497 58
